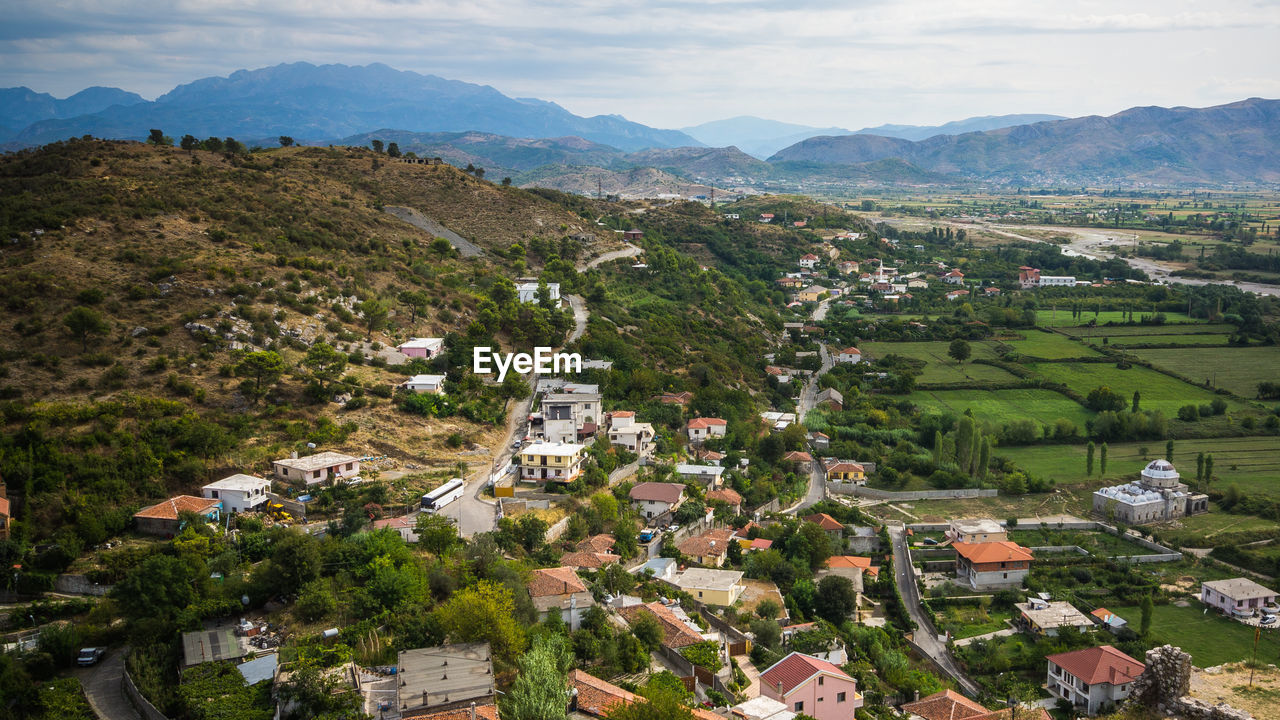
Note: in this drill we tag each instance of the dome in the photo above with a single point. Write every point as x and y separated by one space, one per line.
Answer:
1160 469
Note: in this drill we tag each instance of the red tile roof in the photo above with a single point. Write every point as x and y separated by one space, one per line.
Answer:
992 552
4 506
403 521
483 712
845 467
705 422
760 544
601 543
850 351
946 705
794 669
853 561
798 456
169 509
588 560
711 543
669 493
1103 664
555 581
675 633
596 697
824 521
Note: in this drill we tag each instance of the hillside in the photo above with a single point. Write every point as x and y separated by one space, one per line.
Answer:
498 154
327 102
1227 143
21 106
956 127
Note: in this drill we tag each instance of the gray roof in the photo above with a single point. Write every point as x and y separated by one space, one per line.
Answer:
1239 588
436 676
255 671
204 646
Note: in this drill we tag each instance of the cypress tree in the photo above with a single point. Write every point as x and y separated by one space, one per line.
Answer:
937 447
1199 467
1208 468
1136 401
984 458
1088 460
1168 451
1102 461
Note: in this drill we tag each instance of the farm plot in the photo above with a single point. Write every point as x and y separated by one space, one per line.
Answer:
1210 638
1098 543
1050 346
1238 369
1158 391
1000 407
1061 318
941 368
1166 339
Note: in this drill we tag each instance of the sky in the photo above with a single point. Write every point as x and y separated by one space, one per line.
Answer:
669 63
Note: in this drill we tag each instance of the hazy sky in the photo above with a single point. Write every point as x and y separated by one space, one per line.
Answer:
847 63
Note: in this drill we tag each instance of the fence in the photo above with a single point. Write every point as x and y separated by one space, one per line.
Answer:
874 494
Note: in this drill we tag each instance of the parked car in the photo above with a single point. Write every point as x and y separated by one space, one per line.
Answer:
646 535
930 541
1268 619
90 656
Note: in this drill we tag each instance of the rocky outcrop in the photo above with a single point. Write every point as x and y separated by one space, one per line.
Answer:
1165 684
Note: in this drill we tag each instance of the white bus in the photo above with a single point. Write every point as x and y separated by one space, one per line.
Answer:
443 495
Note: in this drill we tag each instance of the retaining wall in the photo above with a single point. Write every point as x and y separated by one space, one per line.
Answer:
79 585
864 491
140 703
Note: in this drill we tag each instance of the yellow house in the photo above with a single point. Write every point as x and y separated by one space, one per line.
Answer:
557 462
846 472
811 294
712 587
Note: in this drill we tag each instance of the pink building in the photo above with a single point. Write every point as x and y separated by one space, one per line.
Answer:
811 686
421 347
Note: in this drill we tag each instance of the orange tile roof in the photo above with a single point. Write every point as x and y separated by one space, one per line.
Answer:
792 670
483 712
946 705
992 552
727 495
601 543
169 509
798 456
675 633
4 506
853 561
1103 664
555 581
844 467
595 696
588 560
705 422
824 521
712 542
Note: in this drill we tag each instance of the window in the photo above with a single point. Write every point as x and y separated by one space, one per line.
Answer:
799 707
840 697
821 699
699 593
1006 576
215 494
820 679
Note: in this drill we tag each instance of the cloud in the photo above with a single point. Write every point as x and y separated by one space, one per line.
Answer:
672 63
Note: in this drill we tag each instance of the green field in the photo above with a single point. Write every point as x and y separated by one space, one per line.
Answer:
1159 391
1062 317
1252 463
1169 339
1118 330
1050 346
999 407
1210 638
1238 369
941 368
1099 544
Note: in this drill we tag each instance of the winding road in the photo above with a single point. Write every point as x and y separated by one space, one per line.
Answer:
808 397
104 687
626 252
926 635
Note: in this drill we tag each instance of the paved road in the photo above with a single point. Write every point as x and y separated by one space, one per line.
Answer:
464 247
580 316
926 636
104 687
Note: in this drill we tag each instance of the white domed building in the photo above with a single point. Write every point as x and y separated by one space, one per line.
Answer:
1159 495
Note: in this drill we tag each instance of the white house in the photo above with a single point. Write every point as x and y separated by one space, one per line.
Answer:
528 291
316 469
625 432
1057 281
1241 597
955 277
238 493
849 355
808 261
1094 679
433 384
705 474
655 499
703 428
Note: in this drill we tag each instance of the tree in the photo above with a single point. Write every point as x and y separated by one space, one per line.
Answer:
506 182
1104 398
325 363
286 141
984 458
836 599
1137 401
768 609
1088 459
416 302
959 350
377 146
479 173
1102 459
484 612
83 322
393 150
615 579
157 137
767 632
436 533
189 142
159 588
1168 451
310 692
1148 608
375 316
964 443
648 630
295 561
1208 469
661 703
234 146
441 247
539 690
937 447
1199 467
262 370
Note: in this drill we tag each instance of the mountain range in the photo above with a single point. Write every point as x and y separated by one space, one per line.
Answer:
538 142
761 138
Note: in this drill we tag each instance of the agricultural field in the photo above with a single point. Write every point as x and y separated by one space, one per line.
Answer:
1159 391
966 621
1169 339
1238 369
1210 638
941 368
1061 317
1000 407
1050 346
1099 544
1119 330
1073 501
1251 463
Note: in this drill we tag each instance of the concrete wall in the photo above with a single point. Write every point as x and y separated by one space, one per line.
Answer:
79 585
864 491
143 706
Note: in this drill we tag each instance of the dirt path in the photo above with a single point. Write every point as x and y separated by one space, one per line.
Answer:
422 222
627 252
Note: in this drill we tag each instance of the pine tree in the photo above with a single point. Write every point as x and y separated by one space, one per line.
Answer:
1088 460
1102 461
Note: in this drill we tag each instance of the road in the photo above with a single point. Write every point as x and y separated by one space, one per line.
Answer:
627 252
473 513
465 247
926 636
104 687
808 397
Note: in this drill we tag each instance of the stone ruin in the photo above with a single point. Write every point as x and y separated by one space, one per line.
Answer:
1165 684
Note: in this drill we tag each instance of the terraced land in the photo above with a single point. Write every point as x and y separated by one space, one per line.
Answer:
1061 318
1168 339
1050 346
1158 391
1000 407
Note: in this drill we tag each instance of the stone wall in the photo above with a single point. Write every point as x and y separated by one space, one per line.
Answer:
864 491
1164 685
